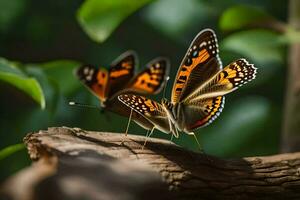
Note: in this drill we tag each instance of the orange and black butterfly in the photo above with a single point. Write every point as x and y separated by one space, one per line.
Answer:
198 90
121 78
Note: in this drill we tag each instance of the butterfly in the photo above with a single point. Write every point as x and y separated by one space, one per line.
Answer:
121 78
197 97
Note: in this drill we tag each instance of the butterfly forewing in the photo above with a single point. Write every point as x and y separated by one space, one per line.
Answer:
142 105
95 79
121 72
203 48
153 78
230 78
199 76
114 105
151 110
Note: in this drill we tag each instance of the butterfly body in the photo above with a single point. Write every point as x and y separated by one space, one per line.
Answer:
198 91
121 78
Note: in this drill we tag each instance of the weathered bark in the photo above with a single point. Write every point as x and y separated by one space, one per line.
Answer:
77 164
291 125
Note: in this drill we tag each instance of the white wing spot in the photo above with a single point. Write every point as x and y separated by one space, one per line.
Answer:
203 44
86 70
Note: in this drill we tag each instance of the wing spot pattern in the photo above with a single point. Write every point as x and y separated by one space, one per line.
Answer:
241 72
152 78
213 110
183 75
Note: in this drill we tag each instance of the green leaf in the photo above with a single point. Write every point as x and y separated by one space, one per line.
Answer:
100 18
10 73
240 16
61 72
260 46
7 151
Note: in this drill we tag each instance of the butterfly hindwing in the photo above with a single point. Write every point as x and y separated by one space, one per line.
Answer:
202 112
121 72
196 61
152 79
95 79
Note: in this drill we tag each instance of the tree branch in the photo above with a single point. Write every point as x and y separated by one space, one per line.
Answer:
93 165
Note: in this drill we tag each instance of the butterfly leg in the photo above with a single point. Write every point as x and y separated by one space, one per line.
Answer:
151 132
147 133
126 132
198 143
171 137
200 148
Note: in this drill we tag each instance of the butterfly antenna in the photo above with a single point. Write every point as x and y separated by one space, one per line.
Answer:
72 103
165 87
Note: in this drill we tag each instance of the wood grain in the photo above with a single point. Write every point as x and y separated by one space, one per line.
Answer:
94 165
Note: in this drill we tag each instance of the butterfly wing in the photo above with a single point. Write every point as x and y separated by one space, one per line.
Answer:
206 103
114 105
153 78
225 81
149 109
200 113
121 72
197 61
94 79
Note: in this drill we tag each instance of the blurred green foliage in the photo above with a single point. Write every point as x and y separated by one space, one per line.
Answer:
11 74
100 18
10 150
242 16
10 12
260 46
43 41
